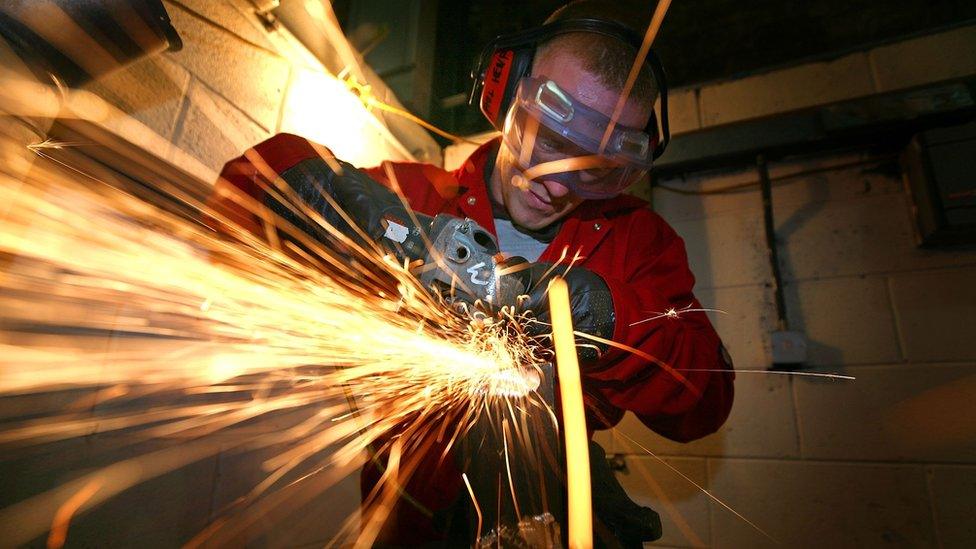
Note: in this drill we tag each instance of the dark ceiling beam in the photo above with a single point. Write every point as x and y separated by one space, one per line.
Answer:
888 119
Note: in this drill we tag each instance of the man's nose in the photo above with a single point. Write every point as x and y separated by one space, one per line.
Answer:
555 188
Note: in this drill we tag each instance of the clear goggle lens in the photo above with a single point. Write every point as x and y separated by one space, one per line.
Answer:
553 137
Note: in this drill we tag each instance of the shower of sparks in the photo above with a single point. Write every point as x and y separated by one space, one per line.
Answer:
183 335
52 144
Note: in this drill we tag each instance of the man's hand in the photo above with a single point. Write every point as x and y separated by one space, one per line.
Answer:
365 201
458 254
589 300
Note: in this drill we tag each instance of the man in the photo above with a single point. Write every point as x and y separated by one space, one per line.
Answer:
631 266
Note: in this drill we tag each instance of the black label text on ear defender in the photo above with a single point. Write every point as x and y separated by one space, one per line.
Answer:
495 80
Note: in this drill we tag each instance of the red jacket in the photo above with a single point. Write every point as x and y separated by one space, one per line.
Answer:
637 253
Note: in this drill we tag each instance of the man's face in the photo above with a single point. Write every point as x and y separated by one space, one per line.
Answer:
538 203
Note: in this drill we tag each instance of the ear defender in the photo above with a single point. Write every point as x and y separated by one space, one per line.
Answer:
499 80
495 87
508 58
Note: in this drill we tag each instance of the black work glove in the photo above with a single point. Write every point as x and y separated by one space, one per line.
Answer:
589 300
365 201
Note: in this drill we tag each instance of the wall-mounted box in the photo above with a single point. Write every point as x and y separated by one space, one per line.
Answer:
939 167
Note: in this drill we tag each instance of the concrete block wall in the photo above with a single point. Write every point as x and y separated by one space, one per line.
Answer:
887 460
818 462
235 83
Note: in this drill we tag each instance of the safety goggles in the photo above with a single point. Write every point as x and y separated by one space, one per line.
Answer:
554 137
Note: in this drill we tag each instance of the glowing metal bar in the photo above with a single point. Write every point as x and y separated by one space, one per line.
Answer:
579 506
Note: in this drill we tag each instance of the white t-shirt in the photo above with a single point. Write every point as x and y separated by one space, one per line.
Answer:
513 242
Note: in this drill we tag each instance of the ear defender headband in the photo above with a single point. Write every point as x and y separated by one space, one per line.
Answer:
508 58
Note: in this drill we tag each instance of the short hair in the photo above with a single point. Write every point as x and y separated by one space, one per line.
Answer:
609 58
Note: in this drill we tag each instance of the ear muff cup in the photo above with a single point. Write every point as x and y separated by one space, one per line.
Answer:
505 68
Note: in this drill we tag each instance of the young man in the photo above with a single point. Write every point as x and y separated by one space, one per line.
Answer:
632 265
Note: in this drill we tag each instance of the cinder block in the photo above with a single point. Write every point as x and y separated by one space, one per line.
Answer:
213 130
298 55
804 504
151 91
455 155
846 320
677 207
726 250
250 78
785 90
684 514
236 16
15 135
872 234
683 110
841 178
936 314
746 318
819 239
932 58
605 439
890 413
761 424
953 490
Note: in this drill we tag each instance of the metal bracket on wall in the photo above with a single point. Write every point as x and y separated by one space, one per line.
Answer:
789 348
885 120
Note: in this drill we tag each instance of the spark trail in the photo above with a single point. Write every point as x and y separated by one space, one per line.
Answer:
174 333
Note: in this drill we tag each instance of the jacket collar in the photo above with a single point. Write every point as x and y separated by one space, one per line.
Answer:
472 197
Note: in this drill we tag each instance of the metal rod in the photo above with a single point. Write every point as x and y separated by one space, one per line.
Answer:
765 184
